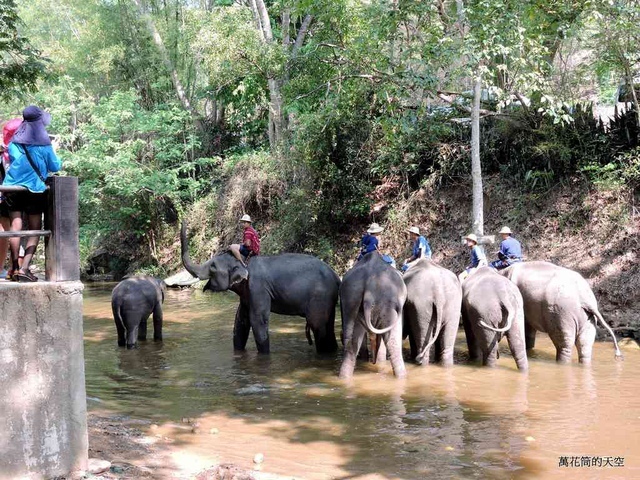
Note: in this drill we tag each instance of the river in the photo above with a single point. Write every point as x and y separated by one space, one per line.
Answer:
457 423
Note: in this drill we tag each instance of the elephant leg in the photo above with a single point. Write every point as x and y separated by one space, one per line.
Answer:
132 335
490 353
518 349
120 330
142 330
259 318
382 351
563 350
241 327
472 341
447 339
393 341
323 328
584 342
351 349
530 336
157 323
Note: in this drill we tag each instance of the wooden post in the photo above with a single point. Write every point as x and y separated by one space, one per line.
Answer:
62 251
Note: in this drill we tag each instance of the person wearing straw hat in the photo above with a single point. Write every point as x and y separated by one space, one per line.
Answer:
250 241
420 248
510 250
370 240
478 258
32 157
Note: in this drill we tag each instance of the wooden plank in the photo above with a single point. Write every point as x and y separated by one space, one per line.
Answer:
62 252
25 233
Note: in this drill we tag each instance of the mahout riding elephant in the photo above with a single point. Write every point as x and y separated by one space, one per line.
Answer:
560 302
372 295
288 284
132 301
432 311
492 306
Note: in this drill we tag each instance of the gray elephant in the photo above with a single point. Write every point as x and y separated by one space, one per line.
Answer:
372 295
288 284
432 311
558 301
132 301
491 307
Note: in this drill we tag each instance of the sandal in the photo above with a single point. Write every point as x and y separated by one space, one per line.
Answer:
24 277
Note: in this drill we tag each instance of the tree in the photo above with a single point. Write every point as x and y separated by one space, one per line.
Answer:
21 66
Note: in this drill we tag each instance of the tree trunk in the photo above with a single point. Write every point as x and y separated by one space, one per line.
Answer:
634 97
476 168
180 90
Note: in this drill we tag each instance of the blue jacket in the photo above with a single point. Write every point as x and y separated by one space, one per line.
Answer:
20 171
511 249
421 244
476 256
369 244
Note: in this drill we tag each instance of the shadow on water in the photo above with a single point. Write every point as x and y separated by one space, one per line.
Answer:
464 422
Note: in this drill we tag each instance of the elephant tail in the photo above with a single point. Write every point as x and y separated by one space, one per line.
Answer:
436 332
117 316
510 317
307 331
370 327
598 316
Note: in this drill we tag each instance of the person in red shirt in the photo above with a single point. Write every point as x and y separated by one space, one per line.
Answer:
8 129
250 241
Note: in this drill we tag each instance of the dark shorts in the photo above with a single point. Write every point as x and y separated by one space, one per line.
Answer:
244 250
27 202
4 210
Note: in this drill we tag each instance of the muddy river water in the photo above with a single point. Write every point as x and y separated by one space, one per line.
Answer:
464 422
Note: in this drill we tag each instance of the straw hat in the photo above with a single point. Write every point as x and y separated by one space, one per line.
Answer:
415 230
246 218
374 228
472 237
505 230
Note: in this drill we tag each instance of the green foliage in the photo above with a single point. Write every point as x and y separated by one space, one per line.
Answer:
20 64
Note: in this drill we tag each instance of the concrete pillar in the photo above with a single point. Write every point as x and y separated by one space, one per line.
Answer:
43 411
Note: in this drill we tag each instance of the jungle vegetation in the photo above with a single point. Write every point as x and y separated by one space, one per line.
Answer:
303 112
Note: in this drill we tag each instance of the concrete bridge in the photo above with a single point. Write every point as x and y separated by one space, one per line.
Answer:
43 413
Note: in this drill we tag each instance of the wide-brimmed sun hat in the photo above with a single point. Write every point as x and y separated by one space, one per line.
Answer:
415 230
374 228
472 237
246 218
32 130
505 230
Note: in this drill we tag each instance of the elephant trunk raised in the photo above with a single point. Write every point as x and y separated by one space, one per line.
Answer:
200 271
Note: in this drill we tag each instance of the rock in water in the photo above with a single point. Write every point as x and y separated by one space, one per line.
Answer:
258 458
96 466
181 279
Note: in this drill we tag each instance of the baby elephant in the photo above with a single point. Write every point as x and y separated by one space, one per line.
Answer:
372 295
491 306
132 301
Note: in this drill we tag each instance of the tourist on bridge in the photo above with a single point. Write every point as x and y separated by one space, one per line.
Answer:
478 258
420 248
8 130
510 250
32 157
250 241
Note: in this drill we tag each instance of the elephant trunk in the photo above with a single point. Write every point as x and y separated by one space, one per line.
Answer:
199 271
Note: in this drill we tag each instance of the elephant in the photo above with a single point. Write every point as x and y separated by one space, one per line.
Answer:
288 284
432 311
558 301
488 301
132 301
372 295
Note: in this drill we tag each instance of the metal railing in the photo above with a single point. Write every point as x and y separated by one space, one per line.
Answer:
61 228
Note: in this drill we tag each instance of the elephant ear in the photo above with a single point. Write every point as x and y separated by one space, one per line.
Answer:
237 274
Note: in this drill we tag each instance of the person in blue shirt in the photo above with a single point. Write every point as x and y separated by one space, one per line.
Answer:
510 250
370 241
32 158
478 259
420 248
